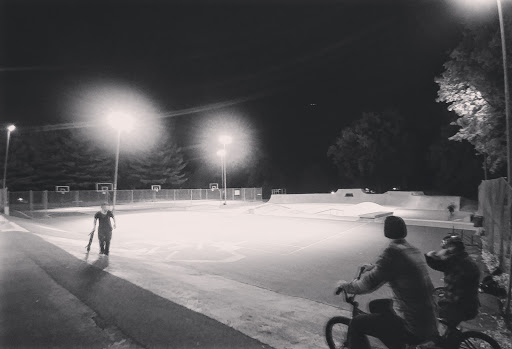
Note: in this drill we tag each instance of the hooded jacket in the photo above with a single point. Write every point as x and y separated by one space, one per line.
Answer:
404 268
461 279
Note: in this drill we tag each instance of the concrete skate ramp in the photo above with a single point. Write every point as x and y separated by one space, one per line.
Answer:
414 200
368 210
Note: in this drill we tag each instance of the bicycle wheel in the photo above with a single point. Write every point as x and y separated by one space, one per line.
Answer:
476 340
336 332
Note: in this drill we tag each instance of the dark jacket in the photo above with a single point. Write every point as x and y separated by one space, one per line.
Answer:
404 268
461 279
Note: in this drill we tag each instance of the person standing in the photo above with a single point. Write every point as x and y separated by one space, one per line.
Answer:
104 228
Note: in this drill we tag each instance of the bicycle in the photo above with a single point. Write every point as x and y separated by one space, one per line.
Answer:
452 338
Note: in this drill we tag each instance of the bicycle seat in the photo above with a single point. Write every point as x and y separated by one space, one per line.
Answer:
381 306
414 343
428 344
449 325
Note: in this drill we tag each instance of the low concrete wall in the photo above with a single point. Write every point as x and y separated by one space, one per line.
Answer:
406 199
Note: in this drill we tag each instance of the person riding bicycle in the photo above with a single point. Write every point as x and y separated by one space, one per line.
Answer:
403 267
461 280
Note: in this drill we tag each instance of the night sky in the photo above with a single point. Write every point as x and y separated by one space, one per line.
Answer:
294 72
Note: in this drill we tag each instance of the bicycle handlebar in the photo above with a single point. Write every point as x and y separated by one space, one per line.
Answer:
360 272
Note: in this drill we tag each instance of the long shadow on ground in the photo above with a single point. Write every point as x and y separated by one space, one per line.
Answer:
148 319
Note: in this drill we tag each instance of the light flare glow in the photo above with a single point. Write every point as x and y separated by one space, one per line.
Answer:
225 139
121 122
111 107
231 128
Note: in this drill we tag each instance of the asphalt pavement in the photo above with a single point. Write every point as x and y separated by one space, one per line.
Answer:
50 299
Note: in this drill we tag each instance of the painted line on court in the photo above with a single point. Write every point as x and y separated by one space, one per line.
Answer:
50 228
269 244
10 226
260 250
327 238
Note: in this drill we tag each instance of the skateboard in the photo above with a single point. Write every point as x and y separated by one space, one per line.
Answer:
91 235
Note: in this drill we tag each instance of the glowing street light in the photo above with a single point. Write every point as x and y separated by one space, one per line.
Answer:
120 122
224 140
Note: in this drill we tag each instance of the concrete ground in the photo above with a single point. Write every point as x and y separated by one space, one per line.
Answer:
50 299
173 271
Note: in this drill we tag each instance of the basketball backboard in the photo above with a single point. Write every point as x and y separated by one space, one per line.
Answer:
62 188
102 187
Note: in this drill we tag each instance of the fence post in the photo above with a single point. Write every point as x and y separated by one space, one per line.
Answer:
45 201
5 194
31 201
502 234
492 225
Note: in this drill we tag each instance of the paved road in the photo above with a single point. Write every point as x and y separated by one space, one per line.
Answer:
269 277
51 299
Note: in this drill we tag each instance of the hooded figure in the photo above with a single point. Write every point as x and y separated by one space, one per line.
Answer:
461 280
403 267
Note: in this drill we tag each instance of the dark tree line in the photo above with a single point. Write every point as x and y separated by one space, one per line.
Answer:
376 150
42 160
373 152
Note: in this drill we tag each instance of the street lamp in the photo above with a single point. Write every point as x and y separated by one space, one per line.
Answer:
5 200
10 128
509 133
120 122
222 154
224 140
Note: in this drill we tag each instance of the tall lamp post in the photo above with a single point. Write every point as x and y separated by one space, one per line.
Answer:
224 140
222 154
120 122
509 134
10 128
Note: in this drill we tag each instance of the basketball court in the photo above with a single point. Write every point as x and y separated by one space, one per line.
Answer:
271 277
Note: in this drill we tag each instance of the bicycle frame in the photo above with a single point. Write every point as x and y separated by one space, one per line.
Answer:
452 338
351 299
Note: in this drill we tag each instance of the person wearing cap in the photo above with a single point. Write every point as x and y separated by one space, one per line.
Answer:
461 280
403 267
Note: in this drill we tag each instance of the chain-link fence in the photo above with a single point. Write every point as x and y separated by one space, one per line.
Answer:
495 208
41 200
